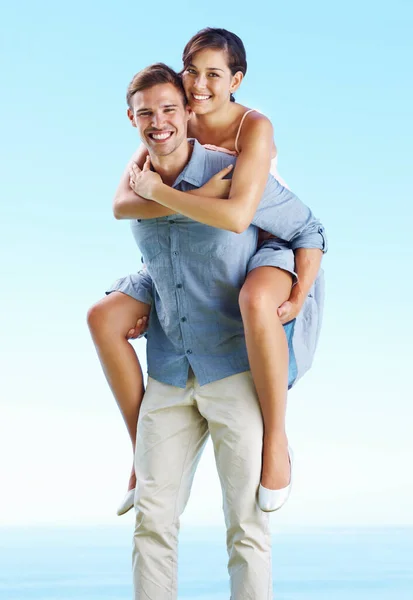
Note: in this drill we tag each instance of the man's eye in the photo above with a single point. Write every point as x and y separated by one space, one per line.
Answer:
213 75
169 110
144 114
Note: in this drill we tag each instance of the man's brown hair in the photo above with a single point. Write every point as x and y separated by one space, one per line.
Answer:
154 75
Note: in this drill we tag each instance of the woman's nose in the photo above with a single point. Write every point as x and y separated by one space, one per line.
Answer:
200 82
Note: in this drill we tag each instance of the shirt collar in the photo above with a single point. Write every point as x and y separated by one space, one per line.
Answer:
193 173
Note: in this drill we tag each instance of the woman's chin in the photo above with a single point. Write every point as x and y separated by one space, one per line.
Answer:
198 109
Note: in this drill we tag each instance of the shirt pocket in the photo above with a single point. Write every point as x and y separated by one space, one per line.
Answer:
208 241
146 234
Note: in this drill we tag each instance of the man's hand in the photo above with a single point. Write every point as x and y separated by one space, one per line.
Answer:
143 182
139 329
291 307
217 186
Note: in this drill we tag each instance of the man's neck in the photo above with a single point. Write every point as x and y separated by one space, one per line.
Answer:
169 167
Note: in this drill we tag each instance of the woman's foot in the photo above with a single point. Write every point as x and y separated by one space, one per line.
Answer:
270 500
276 467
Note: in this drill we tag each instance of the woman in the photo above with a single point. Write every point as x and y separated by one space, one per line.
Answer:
214 66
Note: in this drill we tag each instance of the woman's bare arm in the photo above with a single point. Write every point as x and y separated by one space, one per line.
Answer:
127 204
248 183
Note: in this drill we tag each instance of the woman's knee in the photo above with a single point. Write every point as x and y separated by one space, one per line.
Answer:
261 293
100 316
251 299
255 300
116 315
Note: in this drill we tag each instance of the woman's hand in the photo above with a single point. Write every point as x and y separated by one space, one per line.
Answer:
217 186
144 182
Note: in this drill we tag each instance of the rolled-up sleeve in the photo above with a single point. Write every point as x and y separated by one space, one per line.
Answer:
311 239
138 285
281 213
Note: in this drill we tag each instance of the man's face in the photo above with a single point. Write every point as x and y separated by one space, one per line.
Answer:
161 117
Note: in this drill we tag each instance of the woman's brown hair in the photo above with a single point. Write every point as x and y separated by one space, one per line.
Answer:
220 39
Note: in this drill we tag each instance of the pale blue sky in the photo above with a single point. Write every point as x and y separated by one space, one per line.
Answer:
335 80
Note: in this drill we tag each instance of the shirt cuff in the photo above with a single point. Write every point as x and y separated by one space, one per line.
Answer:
315 239
138 285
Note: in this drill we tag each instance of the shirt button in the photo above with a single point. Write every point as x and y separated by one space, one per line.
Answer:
183 319
141 259
179 285
176 253
189 351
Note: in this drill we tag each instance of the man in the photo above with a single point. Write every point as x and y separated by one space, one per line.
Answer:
199 379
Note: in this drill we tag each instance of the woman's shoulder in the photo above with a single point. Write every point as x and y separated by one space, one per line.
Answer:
253 126
252 118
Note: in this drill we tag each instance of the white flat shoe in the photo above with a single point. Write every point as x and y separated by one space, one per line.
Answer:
127 503
271 500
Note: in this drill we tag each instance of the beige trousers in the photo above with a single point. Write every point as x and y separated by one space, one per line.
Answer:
173 428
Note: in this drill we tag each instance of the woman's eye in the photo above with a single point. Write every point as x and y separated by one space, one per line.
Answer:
213 75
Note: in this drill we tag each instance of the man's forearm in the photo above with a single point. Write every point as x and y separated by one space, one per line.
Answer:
307 266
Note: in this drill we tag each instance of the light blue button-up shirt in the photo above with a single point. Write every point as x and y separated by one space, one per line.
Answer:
194 274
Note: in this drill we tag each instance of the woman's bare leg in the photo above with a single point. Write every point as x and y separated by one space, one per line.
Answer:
109 322
264 290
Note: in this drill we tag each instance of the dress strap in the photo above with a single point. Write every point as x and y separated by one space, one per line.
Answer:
247 112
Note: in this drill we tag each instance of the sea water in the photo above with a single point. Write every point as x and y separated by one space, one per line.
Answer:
308 564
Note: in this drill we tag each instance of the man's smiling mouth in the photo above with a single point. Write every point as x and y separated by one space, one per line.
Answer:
161 136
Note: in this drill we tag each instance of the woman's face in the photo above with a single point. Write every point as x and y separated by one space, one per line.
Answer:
208 81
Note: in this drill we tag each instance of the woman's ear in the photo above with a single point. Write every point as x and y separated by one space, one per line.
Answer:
236 81
188 111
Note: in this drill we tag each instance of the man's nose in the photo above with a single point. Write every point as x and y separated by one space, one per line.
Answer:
158 120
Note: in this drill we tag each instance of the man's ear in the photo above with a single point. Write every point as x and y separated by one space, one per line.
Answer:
236 81
131 117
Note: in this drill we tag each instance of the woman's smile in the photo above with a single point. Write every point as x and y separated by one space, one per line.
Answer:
200 97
